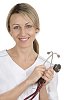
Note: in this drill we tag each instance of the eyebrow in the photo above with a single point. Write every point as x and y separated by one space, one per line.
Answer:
28 23
25 24
15 24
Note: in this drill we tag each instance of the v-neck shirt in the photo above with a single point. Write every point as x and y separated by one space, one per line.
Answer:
11 75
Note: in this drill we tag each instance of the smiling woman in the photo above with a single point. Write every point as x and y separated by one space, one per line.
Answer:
21 66
22 30
32 16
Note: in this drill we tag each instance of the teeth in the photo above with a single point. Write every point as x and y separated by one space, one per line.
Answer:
23 39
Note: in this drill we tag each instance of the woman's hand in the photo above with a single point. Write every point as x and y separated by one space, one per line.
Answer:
48 75
41 71
36 74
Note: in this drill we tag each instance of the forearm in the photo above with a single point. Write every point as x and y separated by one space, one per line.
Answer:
43 94
15 93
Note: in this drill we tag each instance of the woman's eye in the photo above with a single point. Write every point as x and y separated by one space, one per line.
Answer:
29 26
16 27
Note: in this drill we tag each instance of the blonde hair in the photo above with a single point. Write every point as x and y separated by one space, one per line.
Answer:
25 9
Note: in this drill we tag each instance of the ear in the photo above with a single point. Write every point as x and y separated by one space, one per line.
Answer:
37 30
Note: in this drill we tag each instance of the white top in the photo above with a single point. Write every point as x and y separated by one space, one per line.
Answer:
12 74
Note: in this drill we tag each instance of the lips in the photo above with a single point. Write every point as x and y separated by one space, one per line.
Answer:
23 39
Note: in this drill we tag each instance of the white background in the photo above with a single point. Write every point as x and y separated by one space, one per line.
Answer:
51 35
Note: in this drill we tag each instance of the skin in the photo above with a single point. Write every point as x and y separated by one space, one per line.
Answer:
23 32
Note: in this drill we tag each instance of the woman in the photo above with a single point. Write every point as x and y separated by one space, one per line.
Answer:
21 66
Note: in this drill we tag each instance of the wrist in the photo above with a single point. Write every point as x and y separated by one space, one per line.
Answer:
28 82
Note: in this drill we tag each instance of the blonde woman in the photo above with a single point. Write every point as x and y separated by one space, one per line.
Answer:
21 66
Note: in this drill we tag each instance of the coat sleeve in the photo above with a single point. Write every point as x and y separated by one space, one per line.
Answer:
52 88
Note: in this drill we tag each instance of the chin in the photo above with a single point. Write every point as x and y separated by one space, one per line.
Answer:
25 46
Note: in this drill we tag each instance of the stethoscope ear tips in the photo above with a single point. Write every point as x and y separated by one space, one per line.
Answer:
48 52
57 67
58 55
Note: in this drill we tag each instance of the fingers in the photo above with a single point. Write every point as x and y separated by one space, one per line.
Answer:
40 68
49 72
41 71
48 75
36 74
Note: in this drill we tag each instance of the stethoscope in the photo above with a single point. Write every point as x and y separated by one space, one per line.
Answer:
41 81
56 67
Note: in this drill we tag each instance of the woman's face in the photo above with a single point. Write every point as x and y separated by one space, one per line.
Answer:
22 30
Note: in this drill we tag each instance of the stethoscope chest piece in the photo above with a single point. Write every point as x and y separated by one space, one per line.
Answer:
57 67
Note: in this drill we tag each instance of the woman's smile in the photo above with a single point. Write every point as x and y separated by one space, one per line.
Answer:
23 39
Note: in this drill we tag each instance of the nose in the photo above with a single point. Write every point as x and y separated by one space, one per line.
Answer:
23 32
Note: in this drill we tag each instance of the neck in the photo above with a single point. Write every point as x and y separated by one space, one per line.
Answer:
24 52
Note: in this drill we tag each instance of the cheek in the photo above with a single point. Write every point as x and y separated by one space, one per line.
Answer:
32 33
32 38
13 34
